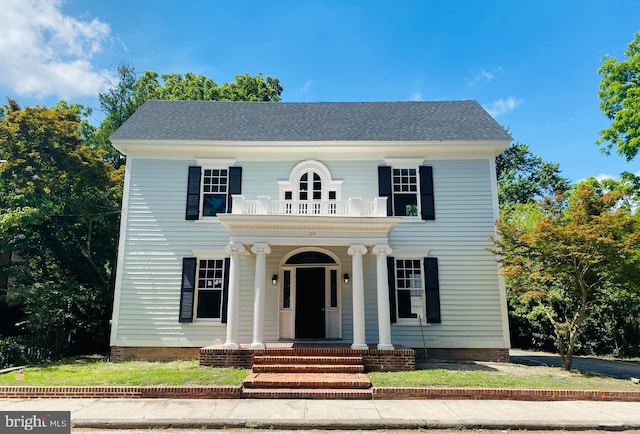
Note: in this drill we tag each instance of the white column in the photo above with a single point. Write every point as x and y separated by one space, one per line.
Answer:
359 339
384 322
261 251
233 305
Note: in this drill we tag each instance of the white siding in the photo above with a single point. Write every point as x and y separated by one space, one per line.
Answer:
157 237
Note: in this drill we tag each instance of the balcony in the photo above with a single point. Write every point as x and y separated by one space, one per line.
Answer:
354 207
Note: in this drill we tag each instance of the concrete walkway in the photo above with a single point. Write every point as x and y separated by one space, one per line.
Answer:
337 414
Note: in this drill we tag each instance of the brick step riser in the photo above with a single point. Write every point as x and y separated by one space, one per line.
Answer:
360 394
310 369
305 385
300 360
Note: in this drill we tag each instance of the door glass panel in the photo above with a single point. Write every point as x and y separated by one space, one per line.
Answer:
286 290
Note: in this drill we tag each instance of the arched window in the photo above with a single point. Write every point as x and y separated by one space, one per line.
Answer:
310 186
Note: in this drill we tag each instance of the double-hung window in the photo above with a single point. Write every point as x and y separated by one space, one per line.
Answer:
204 289
414 290
209 289
409 191
215 185
210 190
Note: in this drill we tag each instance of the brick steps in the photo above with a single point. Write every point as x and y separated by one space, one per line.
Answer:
283 393
306 381
310 375
308 368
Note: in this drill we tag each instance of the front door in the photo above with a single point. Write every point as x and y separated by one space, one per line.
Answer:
310 303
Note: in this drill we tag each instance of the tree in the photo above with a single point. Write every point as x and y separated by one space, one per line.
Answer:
619 96
124 98
524 177
571 258
60 206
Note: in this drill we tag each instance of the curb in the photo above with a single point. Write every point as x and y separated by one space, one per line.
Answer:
365 425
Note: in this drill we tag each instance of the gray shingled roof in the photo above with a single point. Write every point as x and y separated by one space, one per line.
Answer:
316 121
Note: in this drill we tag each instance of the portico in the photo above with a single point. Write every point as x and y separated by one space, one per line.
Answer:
257 235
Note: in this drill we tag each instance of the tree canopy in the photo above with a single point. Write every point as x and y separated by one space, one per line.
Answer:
581 246
525 178
60 207
129 93
619 96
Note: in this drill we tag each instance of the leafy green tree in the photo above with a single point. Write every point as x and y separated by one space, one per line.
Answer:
525 178
570 259
60 204
619 96
124 98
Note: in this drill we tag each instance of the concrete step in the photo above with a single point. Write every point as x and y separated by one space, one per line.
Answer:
306 381
308 368
312 360
288 393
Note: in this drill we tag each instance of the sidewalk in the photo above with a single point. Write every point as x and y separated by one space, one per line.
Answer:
337 414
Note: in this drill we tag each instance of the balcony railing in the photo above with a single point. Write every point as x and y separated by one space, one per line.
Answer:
354 207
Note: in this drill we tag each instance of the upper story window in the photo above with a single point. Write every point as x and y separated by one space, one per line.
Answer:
409 191
209 190
311 189
310 186
405 192
214 191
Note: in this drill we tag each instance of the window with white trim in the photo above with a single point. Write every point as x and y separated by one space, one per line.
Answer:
214 191
405 192
209 288
410 288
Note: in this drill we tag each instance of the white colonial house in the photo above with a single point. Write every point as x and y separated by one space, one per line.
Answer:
246 224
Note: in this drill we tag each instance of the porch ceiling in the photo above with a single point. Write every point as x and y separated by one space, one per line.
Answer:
308 230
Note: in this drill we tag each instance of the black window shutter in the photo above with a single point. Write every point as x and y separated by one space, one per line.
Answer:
187 289
384 186
225 291
428 211
432 287
235 185
391 276
193 193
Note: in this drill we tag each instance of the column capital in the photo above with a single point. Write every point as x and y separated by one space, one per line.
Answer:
381 249
357 248
235 248
261 248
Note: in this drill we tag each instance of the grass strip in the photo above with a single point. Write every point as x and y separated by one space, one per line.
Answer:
104 373
478 378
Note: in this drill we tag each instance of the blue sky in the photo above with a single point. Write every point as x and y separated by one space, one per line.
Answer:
533 65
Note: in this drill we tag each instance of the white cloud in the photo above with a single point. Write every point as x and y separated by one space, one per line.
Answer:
46 53
416 96
502 106
483 76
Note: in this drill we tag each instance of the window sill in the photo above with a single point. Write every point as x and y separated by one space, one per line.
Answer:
411 324
207 322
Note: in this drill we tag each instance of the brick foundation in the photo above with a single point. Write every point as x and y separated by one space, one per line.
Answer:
399 359
479 354
159 354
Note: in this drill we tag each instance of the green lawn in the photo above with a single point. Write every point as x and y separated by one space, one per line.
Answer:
100 372
97 371
478 378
